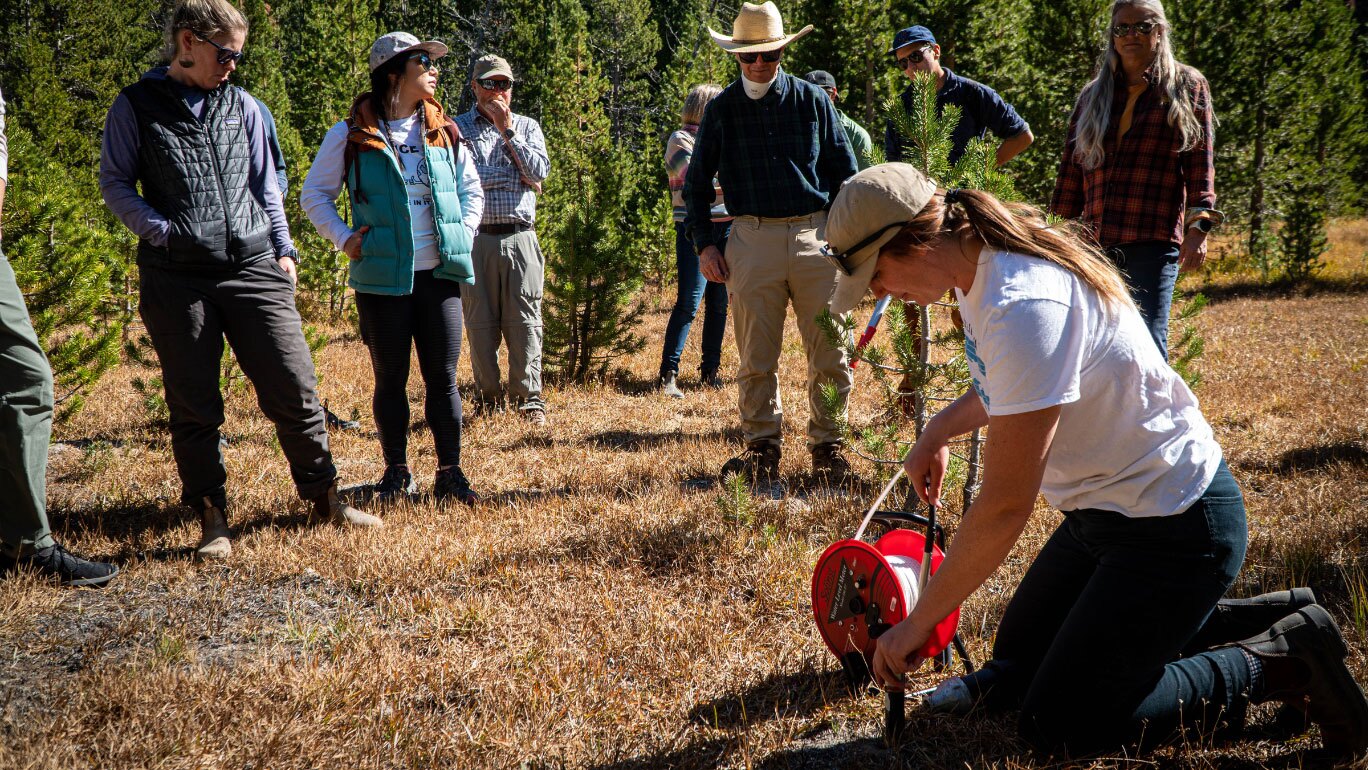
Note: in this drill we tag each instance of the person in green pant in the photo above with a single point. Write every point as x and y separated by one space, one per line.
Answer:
859 138
25 429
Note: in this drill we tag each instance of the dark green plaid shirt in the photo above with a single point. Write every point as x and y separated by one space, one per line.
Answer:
783 155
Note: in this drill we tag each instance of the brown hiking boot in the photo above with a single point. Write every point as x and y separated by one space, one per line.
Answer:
215 537
1303 662
758 464
829 463
329 507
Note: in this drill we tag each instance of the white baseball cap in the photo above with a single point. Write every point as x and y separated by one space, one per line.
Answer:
395 43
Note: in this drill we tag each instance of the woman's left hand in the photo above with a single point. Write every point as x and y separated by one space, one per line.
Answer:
896 653
1193 253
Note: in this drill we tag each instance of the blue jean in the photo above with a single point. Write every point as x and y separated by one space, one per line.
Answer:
693 290
1094 632
1151 270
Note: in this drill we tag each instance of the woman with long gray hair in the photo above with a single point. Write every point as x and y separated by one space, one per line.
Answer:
1137 166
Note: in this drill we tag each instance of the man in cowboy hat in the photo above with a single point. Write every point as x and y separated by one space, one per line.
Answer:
505 302
778 149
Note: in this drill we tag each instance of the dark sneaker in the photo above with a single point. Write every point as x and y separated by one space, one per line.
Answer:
396 484
711 380
829 463
451 484
337 423
72 570
1303 659
669 385
758 464
1234 620
535 415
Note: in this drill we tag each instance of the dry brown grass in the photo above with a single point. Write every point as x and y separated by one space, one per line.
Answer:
604 609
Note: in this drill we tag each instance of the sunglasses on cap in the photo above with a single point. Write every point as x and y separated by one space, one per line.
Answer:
225 55
490 84
770 57
838 259
913 58
1140 27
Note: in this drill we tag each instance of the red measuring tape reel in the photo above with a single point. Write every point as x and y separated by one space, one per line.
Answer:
860 590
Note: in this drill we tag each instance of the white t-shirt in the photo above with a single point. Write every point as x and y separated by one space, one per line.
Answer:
1131 437
405 138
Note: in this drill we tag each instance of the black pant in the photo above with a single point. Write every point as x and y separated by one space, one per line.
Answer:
188 315
1093 634
430 319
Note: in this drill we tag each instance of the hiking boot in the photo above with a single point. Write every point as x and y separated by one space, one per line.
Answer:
451 484
829 463
1234 620
758 464
70 569
535 415
334 421
1303 662
215 538
669 385
329 507
711 379
396 484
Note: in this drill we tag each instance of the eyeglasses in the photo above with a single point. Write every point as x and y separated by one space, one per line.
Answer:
225 55
913 58
424 61
1141 27
770 57
838 259
490 84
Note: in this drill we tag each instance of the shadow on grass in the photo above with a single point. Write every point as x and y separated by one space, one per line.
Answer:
795 694
1314 458
635 440
1282 289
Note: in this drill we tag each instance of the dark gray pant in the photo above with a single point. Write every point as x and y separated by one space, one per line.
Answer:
25 423
188 315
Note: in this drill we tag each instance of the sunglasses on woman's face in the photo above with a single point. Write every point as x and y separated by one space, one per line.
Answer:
1141 27
424 61
913 58
491 84
770 57
225 55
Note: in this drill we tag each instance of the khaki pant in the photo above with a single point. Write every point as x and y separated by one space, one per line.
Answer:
774 262
505 305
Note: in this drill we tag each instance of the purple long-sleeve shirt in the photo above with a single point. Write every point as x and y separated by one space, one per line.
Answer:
119 169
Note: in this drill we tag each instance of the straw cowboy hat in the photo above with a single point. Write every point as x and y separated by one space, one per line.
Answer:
758 28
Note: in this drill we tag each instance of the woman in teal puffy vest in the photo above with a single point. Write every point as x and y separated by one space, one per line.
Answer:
416 203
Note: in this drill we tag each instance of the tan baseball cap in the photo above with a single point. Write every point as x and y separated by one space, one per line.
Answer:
870 208
489 66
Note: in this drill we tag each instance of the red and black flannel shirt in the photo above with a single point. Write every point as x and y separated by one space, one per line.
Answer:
1144 184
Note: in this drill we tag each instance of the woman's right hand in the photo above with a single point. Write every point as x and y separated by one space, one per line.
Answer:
352 248
926 463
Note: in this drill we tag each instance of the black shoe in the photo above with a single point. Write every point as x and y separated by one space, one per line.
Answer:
758 464
451 484
396 484
711 379
830 464
72 570
337 422
1303 659
1234 620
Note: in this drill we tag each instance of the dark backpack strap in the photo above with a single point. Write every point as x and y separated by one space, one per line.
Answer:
349 154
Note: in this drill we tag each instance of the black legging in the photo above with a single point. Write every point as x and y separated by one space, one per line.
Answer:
431 318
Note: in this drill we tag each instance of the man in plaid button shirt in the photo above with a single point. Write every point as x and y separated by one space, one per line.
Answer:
505 302
778 149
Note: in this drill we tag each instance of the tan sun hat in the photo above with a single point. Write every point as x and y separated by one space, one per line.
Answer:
391 45
869 210
758 28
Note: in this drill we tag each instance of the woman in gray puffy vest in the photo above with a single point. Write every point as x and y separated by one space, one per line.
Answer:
215 262
416 203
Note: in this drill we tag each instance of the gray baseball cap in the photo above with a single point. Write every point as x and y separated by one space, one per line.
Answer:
395 43
489 66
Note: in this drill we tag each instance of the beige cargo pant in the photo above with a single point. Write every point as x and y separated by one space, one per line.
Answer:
774 262
504 305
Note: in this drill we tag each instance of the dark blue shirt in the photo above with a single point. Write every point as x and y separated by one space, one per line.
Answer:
782 155
982 110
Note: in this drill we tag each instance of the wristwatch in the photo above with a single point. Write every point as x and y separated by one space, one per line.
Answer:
508 133
292 253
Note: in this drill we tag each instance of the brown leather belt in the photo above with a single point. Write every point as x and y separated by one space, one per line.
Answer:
507 229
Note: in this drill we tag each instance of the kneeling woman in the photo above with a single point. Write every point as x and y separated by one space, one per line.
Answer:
416 202
1096 644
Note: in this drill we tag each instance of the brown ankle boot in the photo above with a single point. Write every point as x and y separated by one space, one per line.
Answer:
329 507
215 537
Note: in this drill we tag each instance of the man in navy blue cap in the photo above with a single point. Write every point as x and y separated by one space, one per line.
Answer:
982 110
